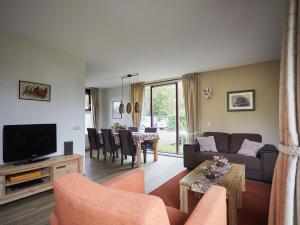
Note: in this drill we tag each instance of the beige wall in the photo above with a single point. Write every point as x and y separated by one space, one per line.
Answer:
264 78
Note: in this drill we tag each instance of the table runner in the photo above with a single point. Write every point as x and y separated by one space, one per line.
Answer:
137 137
202 184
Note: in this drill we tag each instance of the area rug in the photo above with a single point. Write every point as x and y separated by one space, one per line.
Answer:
255 199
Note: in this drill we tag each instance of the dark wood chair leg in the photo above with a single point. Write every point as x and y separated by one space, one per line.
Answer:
105 155
91 153
132 162
117 153
145 155
122 159
125 156
113 159
98 154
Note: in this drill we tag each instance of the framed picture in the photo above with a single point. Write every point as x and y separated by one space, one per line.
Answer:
34 91
115 110
241 101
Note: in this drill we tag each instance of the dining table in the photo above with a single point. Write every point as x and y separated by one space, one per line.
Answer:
139 138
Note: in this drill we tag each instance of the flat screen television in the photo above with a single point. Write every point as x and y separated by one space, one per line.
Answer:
26 142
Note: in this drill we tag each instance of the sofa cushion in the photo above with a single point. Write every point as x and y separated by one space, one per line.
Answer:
250 148
176 217
207 144
221 139
80 201
236 140
251 163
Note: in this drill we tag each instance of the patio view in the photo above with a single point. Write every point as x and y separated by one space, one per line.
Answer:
164 109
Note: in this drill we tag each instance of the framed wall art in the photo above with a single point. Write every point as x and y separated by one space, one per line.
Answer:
241 101
34 91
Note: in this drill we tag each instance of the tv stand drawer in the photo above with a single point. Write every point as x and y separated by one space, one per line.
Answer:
64 168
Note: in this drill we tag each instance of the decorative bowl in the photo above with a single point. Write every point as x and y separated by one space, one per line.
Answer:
211 172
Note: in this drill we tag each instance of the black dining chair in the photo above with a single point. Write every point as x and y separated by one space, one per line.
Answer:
127 145
148 144
133 129
94 141
150 129
109 144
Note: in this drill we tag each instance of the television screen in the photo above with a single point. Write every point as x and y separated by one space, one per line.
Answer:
21 142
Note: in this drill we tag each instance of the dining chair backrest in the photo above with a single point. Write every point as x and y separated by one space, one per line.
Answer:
93 138
126 142
150 129
108 139
133 129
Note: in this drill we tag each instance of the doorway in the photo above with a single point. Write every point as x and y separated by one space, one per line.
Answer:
164 109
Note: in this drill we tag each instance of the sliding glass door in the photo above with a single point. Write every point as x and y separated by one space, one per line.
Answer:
164 109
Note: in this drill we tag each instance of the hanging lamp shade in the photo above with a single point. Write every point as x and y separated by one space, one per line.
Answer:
137 107
129 108
121 108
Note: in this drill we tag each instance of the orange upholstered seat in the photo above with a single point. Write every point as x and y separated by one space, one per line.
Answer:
121 200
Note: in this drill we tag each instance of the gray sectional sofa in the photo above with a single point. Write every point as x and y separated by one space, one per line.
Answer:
260 167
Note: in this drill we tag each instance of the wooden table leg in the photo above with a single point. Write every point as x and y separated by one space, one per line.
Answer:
184 202
155 149
240 192
232 211
138 154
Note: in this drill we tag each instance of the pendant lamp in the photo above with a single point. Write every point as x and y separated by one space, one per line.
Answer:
137 104
129 106
122 107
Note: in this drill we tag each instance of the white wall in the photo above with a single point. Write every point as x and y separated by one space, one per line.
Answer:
109 95
22 59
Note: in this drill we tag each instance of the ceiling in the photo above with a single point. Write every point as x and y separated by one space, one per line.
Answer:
159 39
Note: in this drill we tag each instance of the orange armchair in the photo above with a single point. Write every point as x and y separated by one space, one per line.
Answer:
121 200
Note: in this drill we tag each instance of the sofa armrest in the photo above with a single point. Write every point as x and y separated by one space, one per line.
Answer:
211 209
132 181
189 150
268 155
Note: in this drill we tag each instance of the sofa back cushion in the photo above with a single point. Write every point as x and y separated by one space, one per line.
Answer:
237 139
221 139
81 201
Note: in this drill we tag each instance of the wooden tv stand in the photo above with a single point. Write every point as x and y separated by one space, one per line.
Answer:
20 181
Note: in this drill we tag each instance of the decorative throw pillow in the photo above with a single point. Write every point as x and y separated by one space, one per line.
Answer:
250 148
207 144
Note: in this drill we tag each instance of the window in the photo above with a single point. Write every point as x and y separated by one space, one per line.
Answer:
164 109
87 99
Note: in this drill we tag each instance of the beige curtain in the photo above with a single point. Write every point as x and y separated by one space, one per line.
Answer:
137 95
192 95
285 195
95 107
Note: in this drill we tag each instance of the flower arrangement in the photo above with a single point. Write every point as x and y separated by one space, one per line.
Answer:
220 160
118 126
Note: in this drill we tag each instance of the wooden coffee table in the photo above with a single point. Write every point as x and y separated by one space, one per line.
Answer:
233 181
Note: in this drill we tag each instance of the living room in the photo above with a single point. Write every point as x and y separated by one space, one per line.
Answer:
189 103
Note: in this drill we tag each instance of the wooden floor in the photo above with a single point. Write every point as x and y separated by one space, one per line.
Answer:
35 210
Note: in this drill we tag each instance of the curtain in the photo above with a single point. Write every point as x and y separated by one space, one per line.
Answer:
95 107
192 95
285 197
137 95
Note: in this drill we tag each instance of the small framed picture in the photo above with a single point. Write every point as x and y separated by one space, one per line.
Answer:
34 91
241 101
115 110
